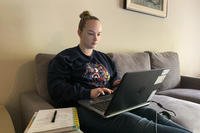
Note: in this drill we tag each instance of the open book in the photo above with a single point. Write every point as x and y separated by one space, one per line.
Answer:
54 120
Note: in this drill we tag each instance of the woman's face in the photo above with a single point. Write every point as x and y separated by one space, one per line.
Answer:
91 34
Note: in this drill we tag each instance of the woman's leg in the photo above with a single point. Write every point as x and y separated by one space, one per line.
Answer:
151 114
91 122
126 122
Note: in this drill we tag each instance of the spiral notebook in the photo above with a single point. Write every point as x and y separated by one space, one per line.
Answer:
65 119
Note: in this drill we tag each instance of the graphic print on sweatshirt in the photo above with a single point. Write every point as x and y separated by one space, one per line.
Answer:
96 74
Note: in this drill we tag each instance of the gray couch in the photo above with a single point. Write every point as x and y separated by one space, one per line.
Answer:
178 93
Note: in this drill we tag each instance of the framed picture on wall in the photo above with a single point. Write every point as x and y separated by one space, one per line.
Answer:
151 7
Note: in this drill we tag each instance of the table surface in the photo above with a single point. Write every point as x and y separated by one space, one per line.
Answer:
6 124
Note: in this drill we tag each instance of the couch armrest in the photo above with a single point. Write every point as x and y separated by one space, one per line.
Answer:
190 82
31 102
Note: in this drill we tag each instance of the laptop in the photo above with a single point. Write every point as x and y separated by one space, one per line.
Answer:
134 91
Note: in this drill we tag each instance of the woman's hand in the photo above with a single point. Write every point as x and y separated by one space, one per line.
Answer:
116 84
99 91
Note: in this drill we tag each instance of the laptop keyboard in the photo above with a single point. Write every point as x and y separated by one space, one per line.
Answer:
102 106
101 103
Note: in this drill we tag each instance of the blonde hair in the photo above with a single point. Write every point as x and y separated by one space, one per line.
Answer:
85 16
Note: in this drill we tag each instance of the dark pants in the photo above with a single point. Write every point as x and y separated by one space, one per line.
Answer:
143 120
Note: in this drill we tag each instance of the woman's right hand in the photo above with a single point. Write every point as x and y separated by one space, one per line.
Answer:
99 91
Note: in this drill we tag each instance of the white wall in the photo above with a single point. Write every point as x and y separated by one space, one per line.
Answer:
28 27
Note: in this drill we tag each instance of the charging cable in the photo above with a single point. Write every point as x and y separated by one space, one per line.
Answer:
156 125
164 112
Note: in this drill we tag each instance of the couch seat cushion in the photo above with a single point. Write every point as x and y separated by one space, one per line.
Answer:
170 61
130 62
187 113
185 94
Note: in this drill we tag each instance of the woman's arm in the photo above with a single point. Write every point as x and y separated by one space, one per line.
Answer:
60 87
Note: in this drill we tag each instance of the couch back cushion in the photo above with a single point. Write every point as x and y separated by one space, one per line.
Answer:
41 62
167 60
130 62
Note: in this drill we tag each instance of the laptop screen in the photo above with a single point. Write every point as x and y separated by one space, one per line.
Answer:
135 89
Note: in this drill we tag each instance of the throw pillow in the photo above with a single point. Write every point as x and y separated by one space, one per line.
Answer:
167 60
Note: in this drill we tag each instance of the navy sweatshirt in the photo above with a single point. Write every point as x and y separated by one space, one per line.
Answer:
72 75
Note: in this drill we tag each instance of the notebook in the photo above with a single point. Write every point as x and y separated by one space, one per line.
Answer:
65 120
134 91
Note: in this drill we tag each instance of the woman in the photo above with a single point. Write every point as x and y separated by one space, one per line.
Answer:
82 73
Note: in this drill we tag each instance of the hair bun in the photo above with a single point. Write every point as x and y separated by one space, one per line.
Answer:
84 14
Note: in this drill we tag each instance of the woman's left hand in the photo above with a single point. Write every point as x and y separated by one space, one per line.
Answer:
116 84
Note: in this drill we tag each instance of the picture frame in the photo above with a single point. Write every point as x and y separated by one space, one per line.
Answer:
151 7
